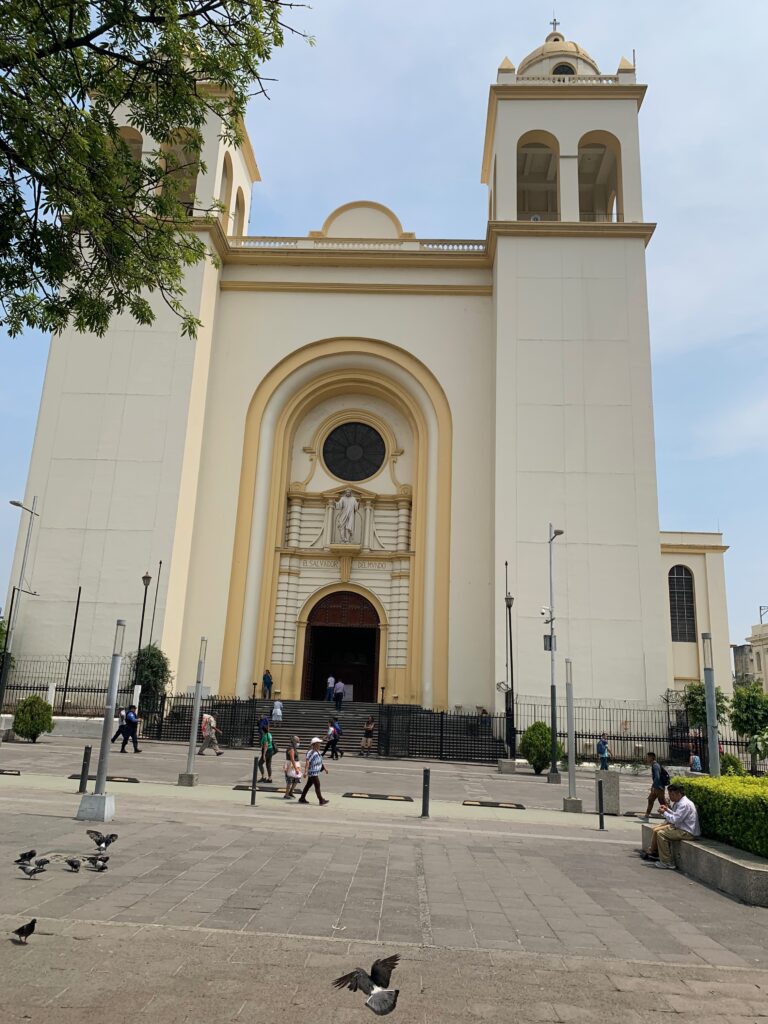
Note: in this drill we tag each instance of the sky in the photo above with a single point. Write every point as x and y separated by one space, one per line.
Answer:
390 105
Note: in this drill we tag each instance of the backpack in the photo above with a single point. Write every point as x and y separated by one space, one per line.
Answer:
664 778
338 729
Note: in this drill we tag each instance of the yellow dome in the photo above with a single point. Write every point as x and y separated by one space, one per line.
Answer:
558 50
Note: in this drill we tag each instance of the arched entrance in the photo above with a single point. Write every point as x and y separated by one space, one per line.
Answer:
342 641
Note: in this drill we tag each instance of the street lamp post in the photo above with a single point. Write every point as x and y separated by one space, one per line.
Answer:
510 694
189 777
99 806
713 737
146 579
14 610
553 775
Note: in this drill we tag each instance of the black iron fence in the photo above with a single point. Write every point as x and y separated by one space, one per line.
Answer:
631 731
404 731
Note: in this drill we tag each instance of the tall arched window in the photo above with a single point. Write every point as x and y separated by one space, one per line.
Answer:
182 165
682 608
600 196
225 192
239 227
133 141
538 187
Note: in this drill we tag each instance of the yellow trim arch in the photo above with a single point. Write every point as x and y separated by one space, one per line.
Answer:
354 376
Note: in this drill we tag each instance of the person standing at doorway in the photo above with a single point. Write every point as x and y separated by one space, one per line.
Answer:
338 695
209 729
329 687
367 741
266 685
120 731
313 766
131 730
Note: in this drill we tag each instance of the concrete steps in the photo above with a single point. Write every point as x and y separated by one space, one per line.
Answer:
308 718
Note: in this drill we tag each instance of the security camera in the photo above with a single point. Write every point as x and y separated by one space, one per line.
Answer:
544 611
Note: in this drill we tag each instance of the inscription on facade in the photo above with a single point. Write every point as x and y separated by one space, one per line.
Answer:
320 563
362 564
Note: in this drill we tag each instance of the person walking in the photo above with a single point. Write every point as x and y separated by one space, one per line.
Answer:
120 731
131 730
367 741
681 822
292 768
209 729
329 689
313 767
331 740
277 712
266 685
338 695
267 749
603 752
659 783
263 724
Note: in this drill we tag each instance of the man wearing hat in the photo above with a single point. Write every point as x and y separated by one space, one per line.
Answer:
313 766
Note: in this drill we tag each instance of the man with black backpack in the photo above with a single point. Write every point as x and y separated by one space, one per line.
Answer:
659 783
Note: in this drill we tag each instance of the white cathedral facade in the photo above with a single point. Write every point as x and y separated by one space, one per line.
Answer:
370 424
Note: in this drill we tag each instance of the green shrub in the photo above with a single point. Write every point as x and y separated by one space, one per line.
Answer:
733 810
152 671
731 765
33 716
536 746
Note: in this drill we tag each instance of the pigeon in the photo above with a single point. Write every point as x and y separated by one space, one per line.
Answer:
96 858
73 863
30 871
25 931
102 842
381 999
25 858
42 862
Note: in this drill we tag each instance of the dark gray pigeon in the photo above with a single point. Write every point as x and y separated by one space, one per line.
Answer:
30 871
98 863
25 931
42 862
102 841
73 863
25 858
381 999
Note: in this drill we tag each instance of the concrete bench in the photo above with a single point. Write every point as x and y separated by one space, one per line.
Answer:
738 873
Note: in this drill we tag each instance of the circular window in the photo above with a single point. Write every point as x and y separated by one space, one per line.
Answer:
354 451
564 69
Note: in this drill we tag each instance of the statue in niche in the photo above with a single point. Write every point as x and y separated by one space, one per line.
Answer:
346 516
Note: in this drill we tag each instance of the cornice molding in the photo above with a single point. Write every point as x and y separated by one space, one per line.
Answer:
374 288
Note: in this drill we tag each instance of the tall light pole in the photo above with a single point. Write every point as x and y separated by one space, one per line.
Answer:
510 694
99 806
146 579
553 774
14 610
713 737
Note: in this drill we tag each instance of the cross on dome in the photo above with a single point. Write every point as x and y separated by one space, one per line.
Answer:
554 23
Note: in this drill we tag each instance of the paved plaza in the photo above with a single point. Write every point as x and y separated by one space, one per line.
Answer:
213 909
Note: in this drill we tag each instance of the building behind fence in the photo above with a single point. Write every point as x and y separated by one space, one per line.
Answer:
404 731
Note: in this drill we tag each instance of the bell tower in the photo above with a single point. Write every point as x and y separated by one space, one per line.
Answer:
574 441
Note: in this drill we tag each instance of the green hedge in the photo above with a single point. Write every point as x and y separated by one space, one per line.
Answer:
732 809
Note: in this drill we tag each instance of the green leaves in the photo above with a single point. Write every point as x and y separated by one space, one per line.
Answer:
694 698
732 809
32 717
536 746
89 230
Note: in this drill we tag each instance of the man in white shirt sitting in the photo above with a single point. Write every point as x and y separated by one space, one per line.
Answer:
681 823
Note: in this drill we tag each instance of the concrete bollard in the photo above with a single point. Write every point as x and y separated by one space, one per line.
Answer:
84 770
611 796
254 777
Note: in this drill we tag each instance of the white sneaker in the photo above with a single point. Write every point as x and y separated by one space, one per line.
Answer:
669 867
